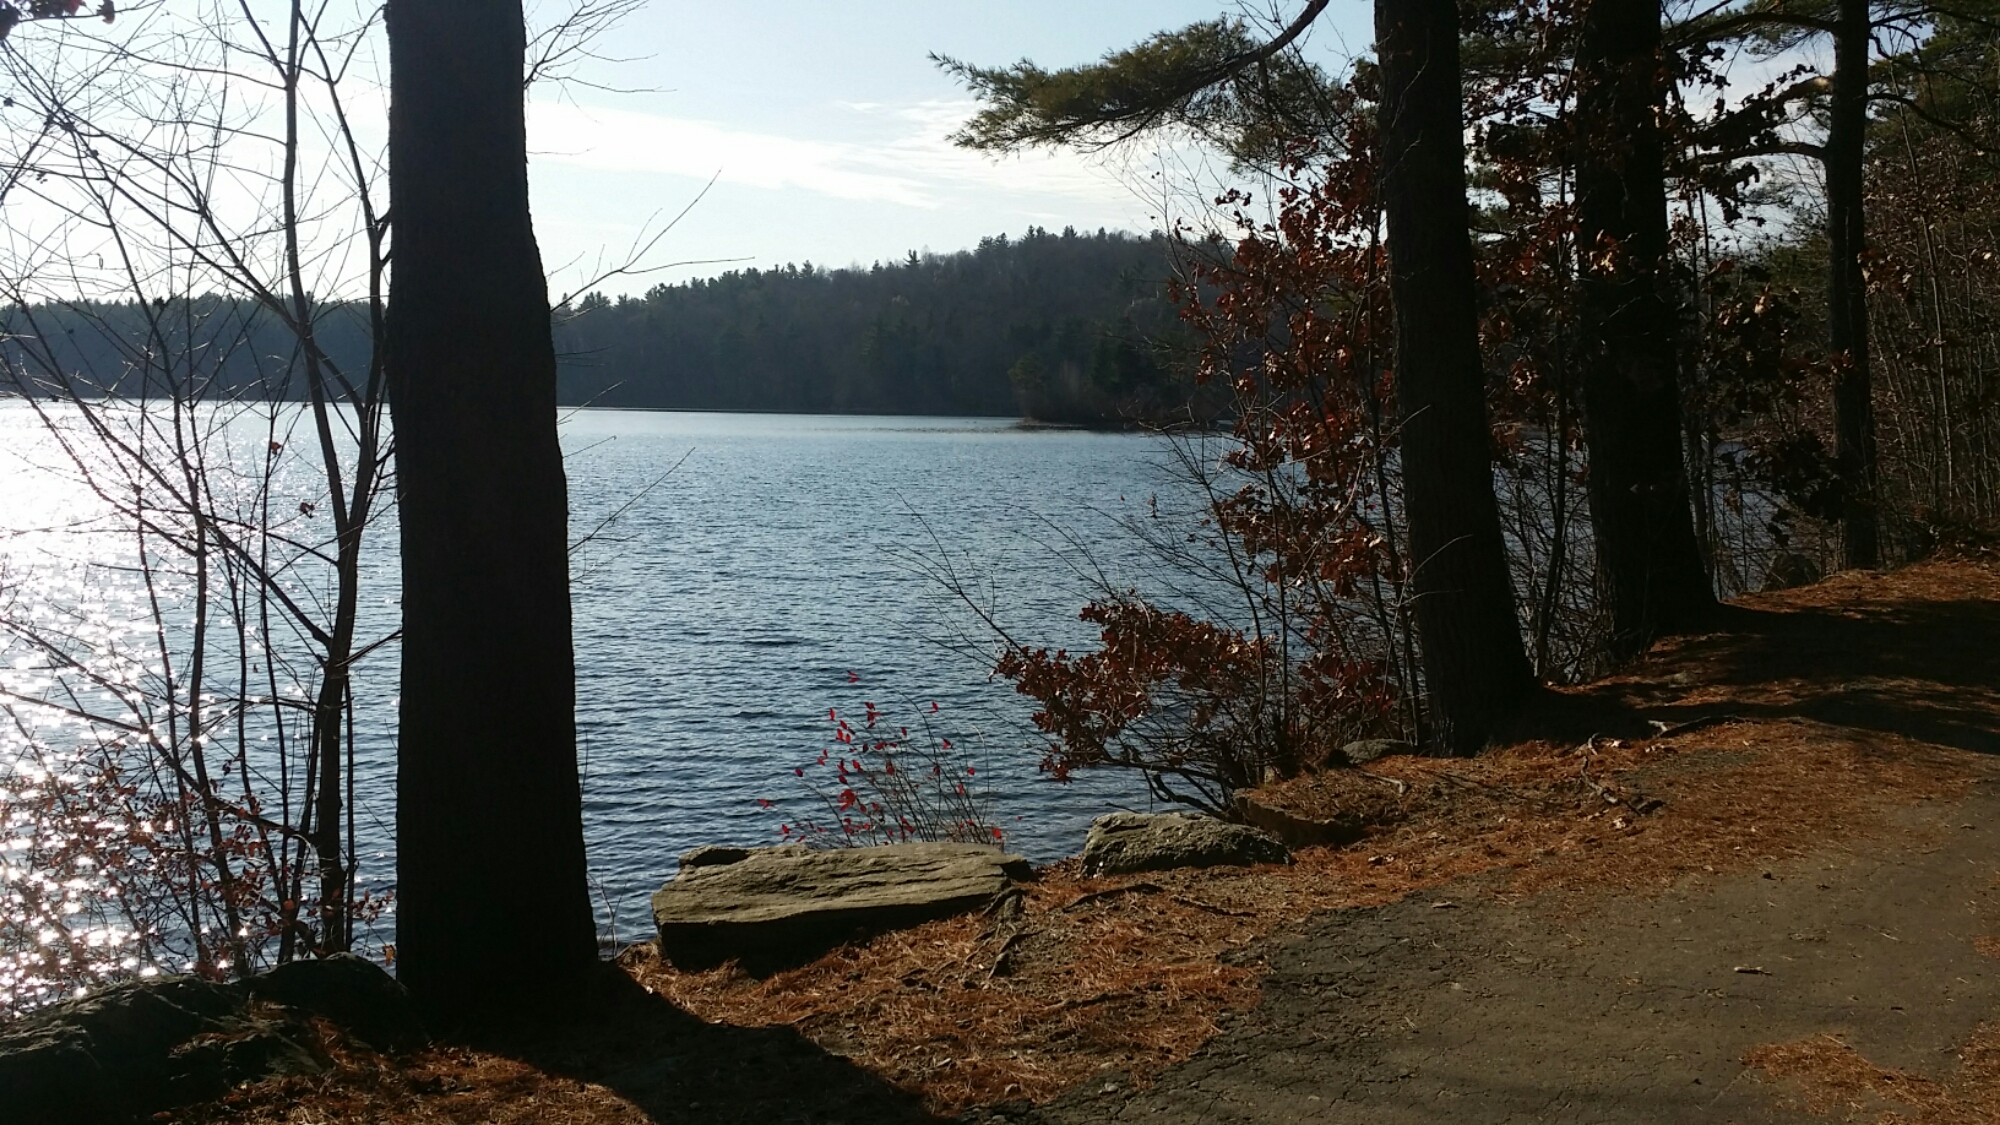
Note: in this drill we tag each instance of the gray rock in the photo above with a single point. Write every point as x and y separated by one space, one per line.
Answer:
1297 831
780 907
353 992
1124 843
1368 749
714 855
1789 569
138 1047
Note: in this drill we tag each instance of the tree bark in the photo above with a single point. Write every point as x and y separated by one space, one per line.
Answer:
1475 667
1847 289
493 915
1653 574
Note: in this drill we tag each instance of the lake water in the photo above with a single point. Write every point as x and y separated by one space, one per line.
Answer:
772 574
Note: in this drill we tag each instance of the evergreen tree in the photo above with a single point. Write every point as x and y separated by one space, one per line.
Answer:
1655 576
1476 670
1655 579
493 917
1841 96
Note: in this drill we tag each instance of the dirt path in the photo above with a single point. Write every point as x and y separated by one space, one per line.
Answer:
1608 1011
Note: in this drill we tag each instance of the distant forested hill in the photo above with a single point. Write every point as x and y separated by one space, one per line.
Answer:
1061 327
211 345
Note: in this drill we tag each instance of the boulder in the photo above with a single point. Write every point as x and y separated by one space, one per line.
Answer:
138 1047
780 907
715 855
1366 750
1298 831
1789 569
353 992
1124 843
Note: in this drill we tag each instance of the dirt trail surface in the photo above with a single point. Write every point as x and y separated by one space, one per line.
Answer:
1622 1011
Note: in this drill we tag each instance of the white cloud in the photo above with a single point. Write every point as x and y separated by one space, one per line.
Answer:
616 140
916 166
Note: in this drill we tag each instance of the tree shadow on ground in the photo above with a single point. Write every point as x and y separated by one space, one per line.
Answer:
1924 670
679 1070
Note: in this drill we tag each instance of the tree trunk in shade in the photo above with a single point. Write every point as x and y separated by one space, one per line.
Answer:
1653 573
1847 289
493 912
1474 664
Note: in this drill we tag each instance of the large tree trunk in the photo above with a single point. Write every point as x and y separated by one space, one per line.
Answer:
1847 291
493 914
1652 567
1475 666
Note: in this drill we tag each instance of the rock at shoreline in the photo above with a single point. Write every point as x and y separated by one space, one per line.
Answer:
1297 831
775 908
716 855
353 992
1790 570
1366 750
1126 843
138 1047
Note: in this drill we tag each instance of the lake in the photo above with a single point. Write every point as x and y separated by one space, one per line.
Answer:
755 571
774 575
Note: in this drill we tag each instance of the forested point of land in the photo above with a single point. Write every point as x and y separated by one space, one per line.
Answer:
1064 327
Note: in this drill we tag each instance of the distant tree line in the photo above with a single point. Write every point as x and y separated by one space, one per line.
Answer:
1068 327
208 345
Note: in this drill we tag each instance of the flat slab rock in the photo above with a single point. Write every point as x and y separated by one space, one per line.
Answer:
1366 750
1126 843
1298 831
773 908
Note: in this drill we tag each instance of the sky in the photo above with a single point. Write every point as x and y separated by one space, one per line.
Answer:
825 129
782 131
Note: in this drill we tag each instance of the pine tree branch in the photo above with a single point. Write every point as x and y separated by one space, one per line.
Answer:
1776 148
1952 127
1127 92
1695 33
